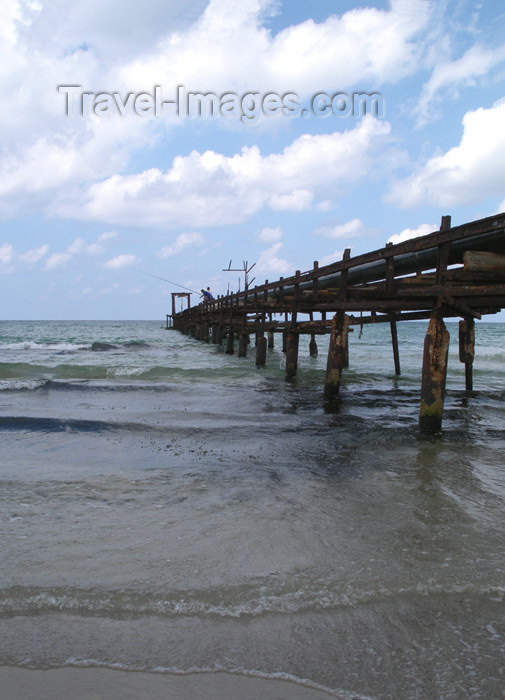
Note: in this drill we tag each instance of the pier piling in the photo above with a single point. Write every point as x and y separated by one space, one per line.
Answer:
337 354
229 342
261 350
436 350
467 349
242 345
292 341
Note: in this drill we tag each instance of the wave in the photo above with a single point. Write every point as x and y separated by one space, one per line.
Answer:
235 602
216 668
32 345
136 344
95 346
98 346
68 425
94 386
22 384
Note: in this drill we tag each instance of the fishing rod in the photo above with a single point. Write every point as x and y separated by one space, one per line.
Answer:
169 281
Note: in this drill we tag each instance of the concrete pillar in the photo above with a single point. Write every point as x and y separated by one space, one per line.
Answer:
436 351
313 345
270 339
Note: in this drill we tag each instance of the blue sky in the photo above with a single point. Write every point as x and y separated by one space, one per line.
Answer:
91 202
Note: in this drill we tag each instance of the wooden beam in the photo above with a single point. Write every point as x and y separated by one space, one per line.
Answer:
483 261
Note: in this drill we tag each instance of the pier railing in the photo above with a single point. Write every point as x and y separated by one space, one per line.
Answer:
453 272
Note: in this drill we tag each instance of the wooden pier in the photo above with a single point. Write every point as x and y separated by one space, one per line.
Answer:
453 272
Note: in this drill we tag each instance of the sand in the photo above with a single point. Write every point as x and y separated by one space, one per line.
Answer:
107 684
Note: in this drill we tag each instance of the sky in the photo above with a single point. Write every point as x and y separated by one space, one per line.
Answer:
175 139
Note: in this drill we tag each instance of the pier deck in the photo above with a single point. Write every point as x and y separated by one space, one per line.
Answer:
453 272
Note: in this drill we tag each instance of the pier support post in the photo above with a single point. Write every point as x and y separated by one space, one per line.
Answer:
467 349
229 343
284 340
337 354
436 350
396 353
243 341
292 340
261 350
205 332
219 334
312 345
270 339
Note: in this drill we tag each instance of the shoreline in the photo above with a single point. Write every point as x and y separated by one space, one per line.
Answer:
98 683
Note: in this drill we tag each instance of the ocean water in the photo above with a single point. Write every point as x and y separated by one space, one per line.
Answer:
169 508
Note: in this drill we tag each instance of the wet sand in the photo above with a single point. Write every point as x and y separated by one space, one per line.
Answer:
107 684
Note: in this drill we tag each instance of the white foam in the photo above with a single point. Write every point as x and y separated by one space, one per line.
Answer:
31 345
21 384
217 669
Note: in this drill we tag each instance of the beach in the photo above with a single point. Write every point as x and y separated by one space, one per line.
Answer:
177 523
105 684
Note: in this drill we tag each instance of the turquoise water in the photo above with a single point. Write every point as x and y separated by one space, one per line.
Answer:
167 507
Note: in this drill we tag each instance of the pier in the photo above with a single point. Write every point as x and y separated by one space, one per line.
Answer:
455 272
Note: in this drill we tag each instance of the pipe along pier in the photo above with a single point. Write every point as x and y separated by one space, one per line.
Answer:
453 272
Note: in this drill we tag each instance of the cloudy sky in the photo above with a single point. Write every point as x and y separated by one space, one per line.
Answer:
109 176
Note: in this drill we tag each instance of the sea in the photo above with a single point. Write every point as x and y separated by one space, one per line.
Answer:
168 508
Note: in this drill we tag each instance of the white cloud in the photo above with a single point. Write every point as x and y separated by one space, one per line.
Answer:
6 253
211 189
100 246
331 258
270 263
451 75
34 255
90 43
183 241
10 260
294 201
57 260
121 261
351 229
270 235
362 45
78 247
467 173
408 233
